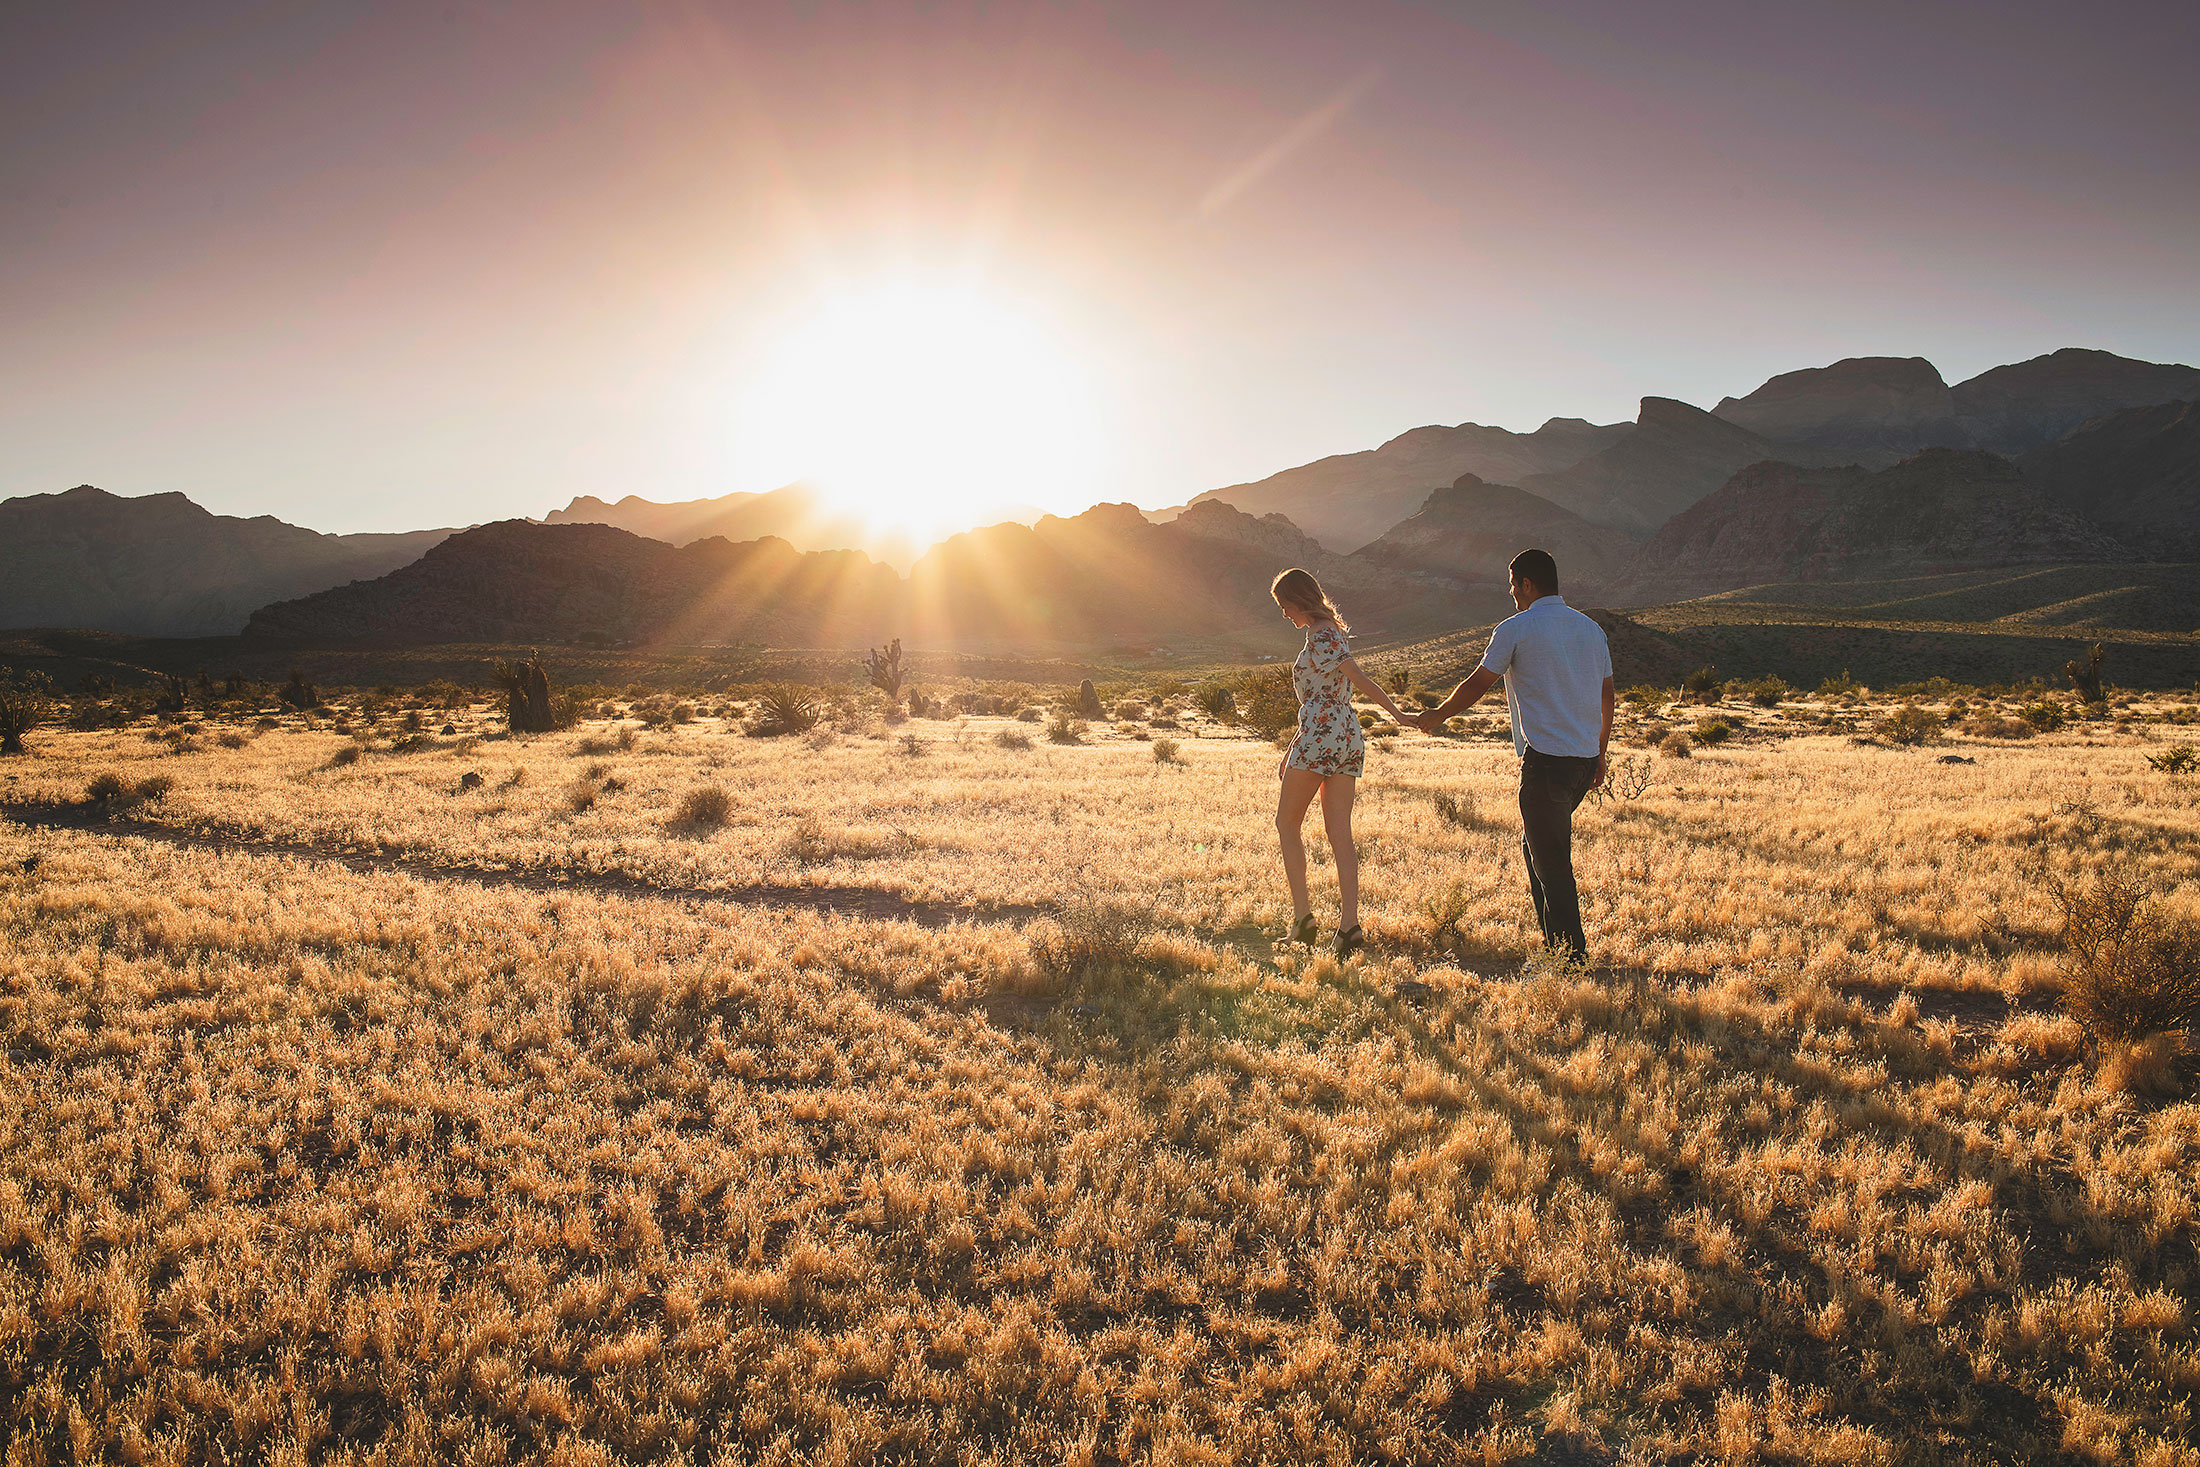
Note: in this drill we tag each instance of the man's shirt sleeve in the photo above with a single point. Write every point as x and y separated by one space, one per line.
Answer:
1498 656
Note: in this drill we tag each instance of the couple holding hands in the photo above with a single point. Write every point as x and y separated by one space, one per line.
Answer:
1557 669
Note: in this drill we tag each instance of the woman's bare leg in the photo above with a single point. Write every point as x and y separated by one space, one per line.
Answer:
1299 788
1337 820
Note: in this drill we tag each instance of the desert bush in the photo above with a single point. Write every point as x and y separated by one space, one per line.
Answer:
2086 676
1269 707
1624 779
1843 686
152 787
1217 702
2179 759
1130 710
526 686
1993 726
105 786
1090 936
1029 715
26 700
349 754
2129 969
1064 728
1165 752
1702 680
706 807
2044 715
232 739
785 708
1644 697
1912 723
820 739
1012 738
1457 809
1765 692
1676 745
581 794
1711 731
912 745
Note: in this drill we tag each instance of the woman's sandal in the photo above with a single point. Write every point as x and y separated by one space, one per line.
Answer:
1349 942
1304 931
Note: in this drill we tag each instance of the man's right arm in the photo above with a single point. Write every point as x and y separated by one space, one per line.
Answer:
1463 697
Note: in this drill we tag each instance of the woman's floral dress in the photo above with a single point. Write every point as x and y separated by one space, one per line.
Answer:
1329 740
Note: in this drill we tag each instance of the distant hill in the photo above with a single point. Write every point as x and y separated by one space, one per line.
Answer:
1470 531
2016 408
160 565
1350 499
2135 473
1107 576
1939 510
797 513
1676 455
516 581
1877 410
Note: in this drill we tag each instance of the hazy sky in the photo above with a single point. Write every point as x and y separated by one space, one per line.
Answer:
383 266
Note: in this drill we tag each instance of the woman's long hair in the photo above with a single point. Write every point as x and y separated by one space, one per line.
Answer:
1298 590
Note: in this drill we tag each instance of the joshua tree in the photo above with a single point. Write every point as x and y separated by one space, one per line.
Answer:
527 693
175 694
25 700
298 693
2086 676
1401 681
884 667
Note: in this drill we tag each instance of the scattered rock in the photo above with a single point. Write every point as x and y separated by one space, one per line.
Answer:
1956 759
470 780
450 728
1413 991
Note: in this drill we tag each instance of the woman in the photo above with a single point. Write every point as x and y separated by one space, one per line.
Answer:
1328 755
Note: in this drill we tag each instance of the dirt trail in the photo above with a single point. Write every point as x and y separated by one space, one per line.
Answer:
869 902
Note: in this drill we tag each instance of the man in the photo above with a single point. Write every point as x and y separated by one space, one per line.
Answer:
1557 669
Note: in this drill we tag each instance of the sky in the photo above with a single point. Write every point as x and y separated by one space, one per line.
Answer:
393 266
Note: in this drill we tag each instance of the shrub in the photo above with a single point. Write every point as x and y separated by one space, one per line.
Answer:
581 794
706 807
2180 759
1062 728
1269 707
2086 676
349 754
1992 726
1702 680
2129 969
105 787
153 787
1675 745
1839 687
1645 697
26 700
1029 715
1130 710
785 708
1089 937
1165 752
1217 702
1456 810
1912 723
1765 692
1012 738
231 739
1711 731
912 745
2043 715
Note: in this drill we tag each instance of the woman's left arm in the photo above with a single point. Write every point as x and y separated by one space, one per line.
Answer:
1373 689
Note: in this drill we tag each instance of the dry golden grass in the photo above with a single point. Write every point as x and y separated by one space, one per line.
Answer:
308 1163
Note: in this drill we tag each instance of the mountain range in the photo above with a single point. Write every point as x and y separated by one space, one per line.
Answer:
163 565
1870 466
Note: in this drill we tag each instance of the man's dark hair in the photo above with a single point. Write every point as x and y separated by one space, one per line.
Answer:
1536 568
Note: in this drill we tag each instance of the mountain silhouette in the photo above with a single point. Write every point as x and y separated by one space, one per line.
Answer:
1940 510
2135 473
1470 531
799 513
160 565
1876 410
1676 455
2027 405
1348 500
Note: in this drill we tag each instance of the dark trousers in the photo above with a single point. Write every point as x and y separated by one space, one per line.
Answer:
1551 789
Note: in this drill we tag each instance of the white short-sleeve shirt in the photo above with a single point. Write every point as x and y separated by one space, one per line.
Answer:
1554 661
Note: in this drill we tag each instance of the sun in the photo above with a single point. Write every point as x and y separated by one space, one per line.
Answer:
922 407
